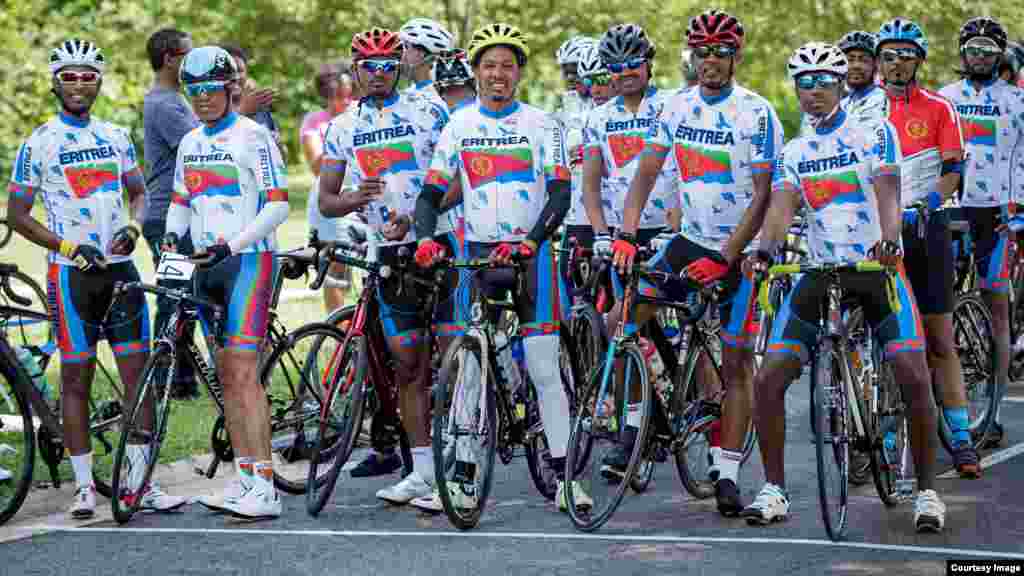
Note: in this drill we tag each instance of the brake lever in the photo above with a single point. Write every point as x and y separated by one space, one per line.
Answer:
323 262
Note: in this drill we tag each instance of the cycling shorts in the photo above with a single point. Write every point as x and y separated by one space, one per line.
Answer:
244 285
541 305
78 301
929 264
454 299
991 248
401 303
795 330
736 306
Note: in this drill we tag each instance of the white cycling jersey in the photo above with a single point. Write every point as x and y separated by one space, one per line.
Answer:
618 135
992 120
572 114
394 143
717 146
504 161
833 171
427 91
78 167
450 220
225 175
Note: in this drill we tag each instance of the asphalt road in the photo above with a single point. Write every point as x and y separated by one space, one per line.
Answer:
663 531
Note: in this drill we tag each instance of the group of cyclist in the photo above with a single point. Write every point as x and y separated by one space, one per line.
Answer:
456 165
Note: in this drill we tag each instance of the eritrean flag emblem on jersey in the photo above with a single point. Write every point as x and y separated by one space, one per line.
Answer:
703 165
218 180
981 131
376 161
488 165
625 147
842 188
88 179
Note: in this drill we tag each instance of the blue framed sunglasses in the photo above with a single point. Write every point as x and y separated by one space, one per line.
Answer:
620 67
812 81
199 88
379 66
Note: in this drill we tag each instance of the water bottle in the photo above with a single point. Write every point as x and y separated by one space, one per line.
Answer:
506 363
28 361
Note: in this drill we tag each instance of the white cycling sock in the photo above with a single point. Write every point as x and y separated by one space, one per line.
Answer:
633 415
82 467
542 362
729 465
423 463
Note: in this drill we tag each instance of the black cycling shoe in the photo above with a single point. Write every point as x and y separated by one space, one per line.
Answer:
965 460
728 497
994 438
860 468
377 465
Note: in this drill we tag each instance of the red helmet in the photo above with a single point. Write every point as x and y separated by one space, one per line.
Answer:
714 27
375 42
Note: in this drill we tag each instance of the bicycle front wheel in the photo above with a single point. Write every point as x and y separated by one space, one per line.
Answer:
831 437
17 436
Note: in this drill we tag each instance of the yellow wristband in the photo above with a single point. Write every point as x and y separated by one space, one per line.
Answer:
67 248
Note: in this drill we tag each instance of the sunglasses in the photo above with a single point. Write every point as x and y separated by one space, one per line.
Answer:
199 88
981 51
719 51
379 66
812 81
597 80
69 77
902 54
620 67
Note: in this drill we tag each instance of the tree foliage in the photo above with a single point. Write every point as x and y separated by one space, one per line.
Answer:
289 39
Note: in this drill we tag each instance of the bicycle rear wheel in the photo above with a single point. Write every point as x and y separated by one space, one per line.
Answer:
465 424
596 436
142 434
17 436
973 336
342 377
831 437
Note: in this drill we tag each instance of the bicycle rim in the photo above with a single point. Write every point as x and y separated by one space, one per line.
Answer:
973 337
890 455
464 432
831 439
17 437
693 448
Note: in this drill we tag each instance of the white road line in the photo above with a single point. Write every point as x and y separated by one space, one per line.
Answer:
990 460
947 552
1017 399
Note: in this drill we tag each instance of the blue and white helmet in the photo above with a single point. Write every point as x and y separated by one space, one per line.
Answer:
208 64
590 63
572 49
902 30
76 52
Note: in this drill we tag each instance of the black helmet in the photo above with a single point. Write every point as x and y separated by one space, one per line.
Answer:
983 28
451 68
858 40
625 42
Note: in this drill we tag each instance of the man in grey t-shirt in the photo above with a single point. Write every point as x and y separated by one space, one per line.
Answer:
167 117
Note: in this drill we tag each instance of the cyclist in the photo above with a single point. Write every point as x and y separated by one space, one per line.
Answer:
723 140
1009 68
845 175
992 112
387 149
572 103
687 68
864 96
929 132
509 162
422 41
82 166
230 194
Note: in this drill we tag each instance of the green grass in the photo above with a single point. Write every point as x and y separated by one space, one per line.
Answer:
191 422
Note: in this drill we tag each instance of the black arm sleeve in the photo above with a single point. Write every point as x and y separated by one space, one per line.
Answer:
428 206
559 201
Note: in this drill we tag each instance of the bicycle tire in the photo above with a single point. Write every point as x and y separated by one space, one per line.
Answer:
446 448
831 439
125 500
15 407
588 337
346 391
973 338
588 520
889 467
294 375
538 453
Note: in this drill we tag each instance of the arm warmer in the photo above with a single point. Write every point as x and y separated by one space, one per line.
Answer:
428 206
272 215
559 201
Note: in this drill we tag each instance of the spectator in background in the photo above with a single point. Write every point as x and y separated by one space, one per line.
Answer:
334 85
688 68
166 118
250 101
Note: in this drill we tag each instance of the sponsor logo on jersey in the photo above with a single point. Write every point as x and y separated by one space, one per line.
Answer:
703 165
916 128
842 188
207 158
978 110
266 170
980 131
625 147
498 165
704 136
88 179
390 133
86 155
496 142
212 181
388 159
825 164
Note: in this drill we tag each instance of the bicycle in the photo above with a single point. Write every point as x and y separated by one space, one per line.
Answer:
471 427
836 398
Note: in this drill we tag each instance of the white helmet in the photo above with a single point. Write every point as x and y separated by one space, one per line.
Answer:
427 33
572 49
76 52
590 63
817 57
